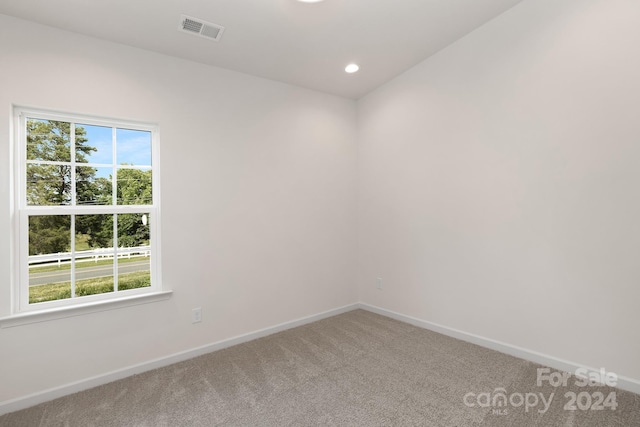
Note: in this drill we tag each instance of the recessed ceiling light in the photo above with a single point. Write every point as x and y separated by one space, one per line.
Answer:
310 1
351 68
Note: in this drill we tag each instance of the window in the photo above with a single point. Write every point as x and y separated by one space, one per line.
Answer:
86 199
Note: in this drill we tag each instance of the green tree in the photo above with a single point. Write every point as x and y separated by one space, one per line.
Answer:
49 234
98 229
50 184
132 230
50 141
134 187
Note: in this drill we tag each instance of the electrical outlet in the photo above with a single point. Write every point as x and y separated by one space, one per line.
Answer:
379 283
196 315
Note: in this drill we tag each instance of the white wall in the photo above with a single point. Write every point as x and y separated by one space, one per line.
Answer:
499 184
497 192
258 179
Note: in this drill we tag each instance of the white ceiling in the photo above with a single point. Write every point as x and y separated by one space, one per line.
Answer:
298 43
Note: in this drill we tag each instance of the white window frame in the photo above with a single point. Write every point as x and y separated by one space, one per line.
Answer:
21 308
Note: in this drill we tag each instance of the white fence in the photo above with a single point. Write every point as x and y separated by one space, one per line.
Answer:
93 254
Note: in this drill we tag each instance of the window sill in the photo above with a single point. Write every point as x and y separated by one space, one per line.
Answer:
79 310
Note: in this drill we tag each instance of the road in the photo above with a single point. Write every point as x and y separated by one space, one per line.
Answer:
50 277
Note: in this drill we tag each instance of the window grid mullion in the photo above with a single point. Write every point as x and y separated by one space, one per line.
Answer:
72 143
74 197
73 256
114 200
115 253
114 173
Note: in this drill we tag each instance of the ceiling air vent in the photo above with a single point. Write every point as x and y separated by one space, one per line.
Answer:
201 28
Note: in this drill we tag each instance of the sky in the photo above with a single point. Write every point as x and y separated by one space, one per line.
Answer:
133 147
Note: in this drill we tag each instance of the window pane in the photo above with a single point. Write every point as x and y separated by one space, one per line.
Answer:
48 184
133 147
93 185
94 233
94 254
49 257
134 252
134 187
94 144
48 140
133 230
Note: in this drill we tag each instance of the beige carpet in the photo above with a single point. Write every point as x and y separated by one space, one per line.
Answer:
355 369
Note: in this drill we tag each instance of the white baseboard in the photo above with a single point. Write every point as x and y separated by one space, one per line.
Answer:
17 404
54 393
623 383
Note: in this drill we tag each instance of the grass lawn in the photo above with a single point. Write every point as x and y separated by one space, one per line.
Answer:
84 264
85 287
